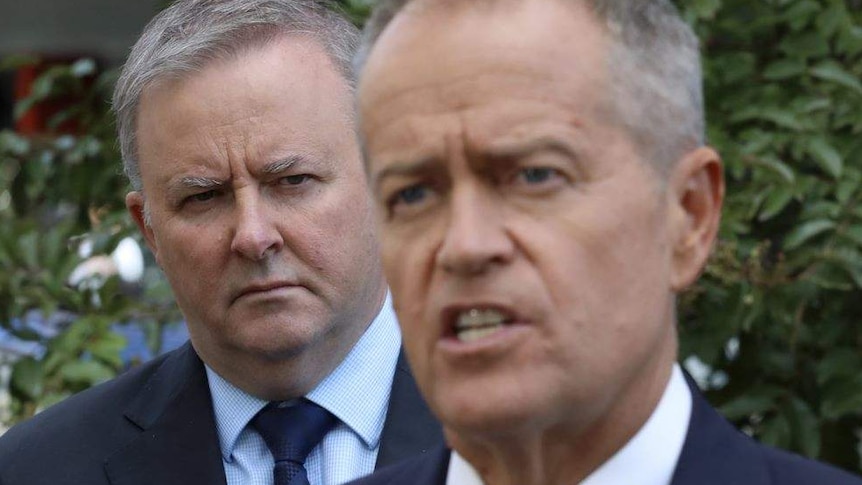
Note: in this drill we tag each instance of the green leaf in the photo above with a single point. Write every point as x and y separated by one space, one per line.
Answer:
28 244
833 72
805 232
746 405
779 167
776 431
27 377
805 46
784 69
779 116
87 372
805 427
842 398
854 233
826 156
839 364
847 186
108 347
705 9
801 13
832 19
775 202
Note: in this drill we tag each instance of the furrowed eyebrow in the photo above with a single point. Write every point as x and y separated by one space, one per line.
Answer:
179 188
279 166
182 185
200 182
404 169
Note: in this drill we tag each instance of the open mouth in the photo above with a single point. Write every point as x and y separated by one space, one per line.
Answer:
478 323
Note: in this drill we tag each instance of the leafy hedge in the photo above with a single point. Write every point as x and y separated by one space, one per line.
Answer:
772 330
778 314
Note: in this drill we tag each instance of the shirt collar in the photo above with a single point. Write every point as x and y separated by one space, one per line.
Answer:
233 409
356 392
651 455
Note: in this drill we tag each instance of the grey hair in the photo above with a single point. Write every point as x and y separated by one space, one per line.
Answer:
191 34
654 64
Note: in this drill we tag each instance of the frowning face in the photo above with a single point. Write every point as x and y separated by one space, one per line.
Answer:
528 244
260 214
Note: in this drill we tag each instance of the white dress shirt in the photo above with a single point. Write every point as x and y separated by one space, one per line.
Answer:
356 392
649 458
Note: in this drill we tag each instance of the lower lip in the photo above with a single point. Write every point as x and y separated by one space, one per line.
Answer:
502 340
277 292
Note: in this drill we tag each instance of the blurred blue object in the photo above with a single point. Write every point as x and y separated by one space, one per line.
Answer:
37 330
137 348
13 348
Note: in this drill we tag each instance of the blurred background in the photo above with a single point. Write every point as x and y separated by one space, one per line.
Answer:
772 332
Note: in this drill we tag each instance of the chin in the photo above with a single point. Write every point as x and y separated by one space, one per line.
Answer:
471 412
277 341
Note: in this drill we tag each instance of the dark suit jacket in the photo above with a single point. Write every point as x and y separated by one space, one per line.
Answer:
714 453
155 425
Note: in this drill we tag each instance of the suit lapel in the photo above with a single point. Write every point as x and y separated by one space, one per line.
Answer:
715 453
410 428
178 443
432 469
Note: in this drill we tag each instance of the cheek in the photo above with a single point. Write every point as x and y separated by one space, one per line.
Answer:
334 237
599 261
406 265
196 245
408 262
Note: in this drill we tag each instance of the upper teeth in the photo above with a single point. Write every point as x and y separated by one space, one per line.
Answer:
476 317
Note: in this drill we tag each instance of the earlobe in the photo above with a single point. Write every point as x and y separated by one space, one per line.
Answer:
697 191
135 206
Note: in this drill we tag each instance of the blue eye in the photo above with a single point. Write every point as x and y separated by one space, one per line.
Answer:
294 179
537 175
411 195
203 196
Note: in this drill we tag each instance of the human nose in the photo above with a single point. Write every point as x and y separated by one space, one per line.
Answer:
256 233
476 238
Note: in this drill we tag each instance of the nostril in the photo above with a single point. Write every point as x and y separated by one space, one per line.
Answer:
256 242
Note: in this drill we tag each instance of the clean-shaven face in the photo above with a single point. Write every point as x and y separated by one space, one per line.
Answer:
524 236
260 213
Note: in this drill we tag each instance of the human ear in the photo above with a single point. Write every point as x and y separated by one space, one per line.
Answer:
135 205
696 188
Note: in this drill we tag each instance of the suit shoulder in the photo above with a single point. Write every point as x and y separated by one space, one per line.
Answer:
790 469
84 422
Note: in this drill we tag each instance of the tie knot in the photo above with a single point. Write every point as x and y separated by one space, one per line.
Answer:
291 431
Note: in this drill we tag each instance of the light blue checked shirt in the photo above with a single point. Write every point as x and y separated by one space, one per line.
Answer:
357 392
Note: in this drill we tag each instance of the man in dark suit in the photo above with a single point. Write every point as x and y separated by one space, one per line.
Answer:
544 192
238 135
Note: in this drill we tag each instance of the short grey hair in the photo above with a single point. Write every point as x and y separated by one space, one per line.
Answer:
654 64
191 34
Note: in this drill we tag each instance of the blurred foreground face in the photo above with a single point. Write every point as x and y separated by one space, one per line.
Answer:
525 238
260 215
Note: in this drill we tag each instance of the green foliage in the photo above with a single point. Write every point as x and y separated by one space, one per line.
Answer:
784 104
58 192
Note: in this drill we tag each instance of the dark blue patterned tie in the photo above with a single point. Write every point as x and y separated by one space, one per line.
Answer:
291 431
